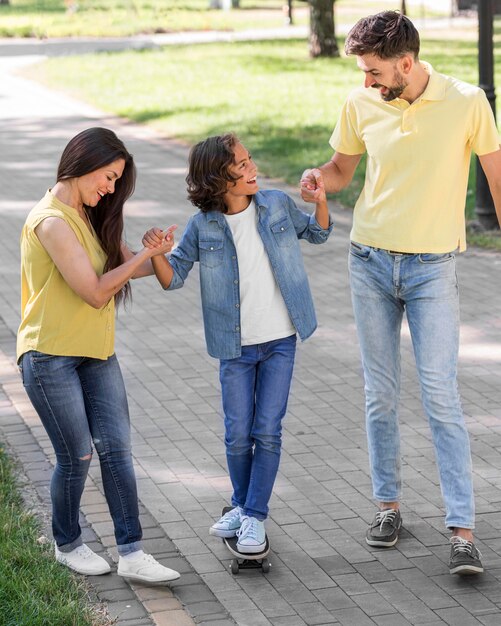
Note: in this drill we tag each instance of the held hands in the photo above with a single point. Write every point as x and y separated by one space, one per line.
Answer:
158 241
312 186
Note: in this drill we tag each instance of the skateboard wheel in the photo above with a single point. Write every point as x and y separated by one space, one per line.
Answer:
234 567
266 566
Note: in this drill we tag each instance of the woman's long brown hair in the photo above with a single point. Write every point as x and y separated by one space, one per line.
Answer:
86 152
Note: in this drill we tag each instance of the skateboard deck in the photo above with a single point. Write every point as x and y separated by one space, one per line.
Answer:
246 560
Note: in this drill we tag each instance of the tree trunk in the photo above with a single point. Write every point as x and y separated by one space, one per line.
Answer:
322 31
4 1
403 9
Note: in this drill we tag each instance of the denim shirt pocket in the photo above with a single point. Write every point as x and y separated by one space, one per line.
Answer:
211 253
283 232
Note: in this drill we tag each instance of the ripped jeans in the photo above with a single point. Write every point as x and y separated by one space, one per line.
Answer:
82 403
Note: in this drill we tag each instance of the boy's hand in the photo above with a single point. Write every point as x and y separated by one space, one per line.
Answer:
156 237
312 186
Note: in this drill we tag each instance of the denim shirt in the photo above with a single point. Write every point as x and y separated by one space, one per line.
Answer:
208 240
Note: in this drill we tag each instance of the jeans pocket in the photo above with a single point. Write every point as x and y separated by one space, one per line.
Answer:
431 259
360 251
40 357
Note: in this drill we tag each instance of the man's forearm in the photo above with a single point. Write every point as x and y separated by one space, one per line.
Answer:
338 172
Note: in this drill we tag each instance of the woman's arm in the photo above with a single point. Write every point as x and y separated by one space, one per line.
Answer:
146 268
73 263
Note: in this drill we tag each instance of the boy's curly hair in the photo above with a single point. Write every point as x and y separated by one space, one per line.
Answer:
387 35
209 172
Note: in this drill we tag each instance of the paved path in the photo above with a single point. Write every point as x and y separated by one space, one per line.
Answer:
323 572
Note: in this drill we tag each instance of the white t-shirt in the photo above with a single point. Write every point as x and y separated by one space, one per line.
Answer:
263 314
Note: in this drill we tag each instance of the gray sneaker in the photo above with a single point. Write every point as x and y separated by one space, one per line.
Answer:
465 558
385 528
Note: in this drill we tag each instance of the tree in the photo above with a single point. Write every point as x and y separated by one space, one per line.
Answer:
224 4
322 29
4 1
403 8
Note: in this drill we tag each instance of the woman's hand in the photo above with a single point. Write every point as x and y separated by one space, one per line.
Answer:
157 241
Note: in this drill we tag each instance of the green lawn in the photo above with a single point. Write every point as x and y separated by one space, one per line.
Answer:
34 589
51 18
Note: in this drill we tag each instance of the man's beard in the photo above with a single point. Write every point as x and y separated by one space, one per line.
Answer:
395 91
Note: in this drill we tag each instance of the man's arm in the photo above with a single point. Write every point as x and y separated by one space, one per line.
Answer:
336 175
491 164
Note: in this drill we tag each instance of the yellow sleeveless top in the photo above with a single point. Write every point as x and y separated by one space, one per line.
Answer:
54 319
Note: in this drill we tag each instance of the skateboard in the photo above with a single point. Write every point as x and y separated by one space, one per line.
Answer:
246 560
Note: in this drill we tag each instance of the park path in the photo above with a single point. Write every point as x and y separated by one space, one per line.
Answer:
323 572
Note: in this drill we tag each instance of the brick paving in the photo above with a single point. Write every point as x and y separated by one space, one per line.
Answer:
323 572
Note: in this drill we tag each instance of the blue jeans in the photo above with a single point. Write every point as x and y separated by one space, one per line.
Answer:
255 389
81 402
384 285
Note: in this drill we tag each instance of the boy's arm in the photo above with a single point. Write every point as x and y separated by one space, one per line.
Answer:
315 227
321 208
163 270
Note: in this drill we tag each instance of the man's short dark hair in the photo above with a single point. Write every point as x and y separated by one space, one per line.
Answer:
387 35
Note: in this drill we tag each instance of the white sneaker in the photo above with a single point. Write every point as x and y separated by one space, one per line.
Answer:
228 525
146 569
251 535
83 560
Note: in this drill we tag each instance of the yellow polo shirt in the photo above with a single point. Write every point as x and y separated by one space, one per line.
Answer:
418 158
54 319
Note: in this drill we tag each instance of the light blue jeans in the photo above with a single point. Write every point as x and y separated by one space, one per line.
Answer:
385 285
255 389
82 403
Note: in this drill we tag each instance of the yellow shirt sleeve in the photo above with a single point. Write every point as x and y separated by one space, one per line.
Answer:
346 138
484 137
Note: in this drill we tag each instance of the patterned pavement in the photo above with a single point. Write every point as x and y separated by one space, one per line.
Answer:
322 570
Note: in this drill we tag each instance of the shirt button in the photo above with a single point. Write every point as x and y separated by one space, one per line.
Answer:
236 282
237 306
237 328
211 248
233 257
282 228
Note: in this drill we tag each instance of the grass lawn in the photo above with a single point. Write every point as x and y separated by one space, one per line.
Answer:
34 589
282 104
51 18
54 18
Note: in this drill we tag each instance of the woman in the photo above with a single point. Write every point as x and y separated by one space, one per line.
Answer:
74 269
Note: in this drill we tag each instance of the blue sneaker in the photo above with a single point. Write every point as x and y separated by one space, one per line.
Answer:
251 536
228 525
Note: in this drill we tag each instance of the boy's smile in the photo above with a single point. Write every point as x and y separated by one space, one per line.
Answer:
245 170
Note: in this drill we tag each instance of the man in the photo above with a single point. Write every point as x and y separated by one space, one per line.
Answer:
418 129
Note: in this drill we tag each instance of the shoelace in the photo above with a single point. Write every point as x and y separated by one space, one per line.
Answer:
385 516
231 515
148 558
83 551
463 545
248 529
